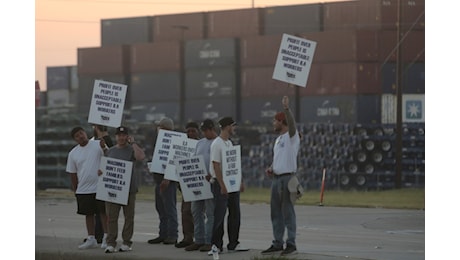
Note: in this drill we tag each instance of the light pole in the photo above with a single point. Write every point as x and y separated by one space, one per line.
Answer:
182 29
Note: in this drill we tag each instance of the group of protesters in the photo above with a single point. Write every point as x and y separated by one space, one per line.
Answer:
202 220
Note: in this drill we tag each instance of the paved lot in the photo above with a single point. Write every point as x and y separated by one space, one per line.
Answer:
322 233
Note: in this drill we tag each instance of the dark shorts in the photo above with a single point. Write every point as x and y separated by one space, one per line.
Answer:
88 204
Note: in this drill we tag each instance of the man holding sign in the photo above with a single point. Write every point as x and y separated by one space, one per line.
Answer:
222 198
283 168
128 150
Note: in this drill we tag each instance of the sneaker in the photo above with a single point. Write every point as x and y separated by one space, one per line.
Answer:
104 243
210 251
109 249
89 243
182 244
124 248
170 241
239 247
193 247
272 249
156 240
290 250
205 248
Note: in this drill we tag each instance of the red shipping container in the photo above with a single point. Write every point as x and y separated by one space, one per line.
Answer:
259 51
347 45
103 60
412 48
348 78
258 82
161 56
176 27
364 14
234 23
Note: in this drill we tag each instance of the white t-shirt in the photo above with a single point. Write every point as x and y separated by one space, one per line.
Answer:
216 152
285 153
85 161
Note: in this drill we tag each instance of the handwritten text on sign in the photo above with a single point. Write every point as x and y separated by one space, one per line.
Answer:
107 103
294 60
113 184
162 150
192 178
180 148
231 168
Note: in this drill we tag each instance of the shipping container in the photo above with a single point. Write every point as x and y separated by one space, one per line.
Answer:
412 81
293 19
413 14
258 82
74 77
412 46
179 27
103 60
364 109
154 111
150 87
413 108
212 108
129 30
222 52
85 90
361 14
211 83
151 57
57 97
259 51
347 78
346 45
262 110
234 23
58 77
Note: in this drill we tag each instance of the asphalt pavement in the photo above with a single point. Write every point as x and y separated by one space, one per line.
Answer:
322 233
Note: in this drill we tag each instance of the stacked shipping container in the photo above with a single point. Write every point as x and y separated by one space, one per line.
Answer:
230 55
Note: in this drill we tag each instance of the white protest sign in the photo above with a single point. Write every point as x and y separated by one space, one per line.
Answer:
294 60
192 178
231 168
107 103
180 148
113 184
162 150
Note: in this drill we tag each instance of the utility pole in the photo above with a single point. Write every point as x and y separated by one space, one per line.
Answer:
398 154
182 29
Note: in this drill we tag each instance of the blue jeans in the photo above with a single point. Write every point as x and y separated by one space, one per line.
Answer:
203 220
165 204
282 212
222 202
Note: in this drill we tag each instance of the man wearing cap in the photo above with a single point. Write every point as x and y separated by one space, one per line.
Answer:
283 168
125 149
203 210
193 132
82 165
223 199
165 201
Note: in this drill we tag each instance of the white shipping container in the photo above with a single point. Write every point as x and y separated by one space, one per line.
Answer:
388 109
57 97
413 108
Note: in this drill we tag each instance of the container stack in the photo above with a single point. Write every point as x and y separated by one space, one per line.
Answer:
201 65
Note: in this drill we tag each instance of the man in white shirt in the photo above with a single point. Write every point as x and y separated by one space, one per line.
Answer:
283 168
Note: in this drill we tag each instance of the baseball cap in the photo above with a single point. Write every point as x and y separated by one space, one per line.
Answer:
280 116
121 130
207 124
226 121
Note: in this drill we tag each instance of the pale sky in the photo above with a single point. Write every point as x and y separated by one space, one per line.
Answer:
63 26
